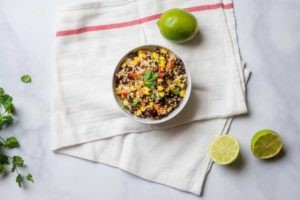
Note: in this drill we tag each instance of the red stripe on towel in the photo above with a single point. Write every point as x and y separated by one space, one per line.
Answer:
138 21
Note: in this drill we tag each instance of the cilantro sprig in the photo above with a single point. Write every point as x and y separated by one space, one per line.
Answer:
26 78
150 78
15 162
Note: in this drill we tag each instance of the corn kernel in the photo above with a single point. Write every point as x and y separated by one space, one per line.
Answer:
141 54
160 88
182 93
132 88
162 64
167 89
161 58
117 91
151 104
177 81
161 94
138 87
137 94
181 85
164 51
169 109
143 109
124 65
172 87
154 56
138 113
135 60
125 102
146 90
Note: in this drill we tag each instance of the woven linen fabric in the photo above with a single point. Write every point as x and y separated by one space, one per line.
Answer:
87 123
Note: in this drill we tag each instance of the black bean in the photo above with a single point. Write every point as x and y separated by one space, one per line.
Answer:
133 110
170 95
181 71
124 80
169 75
162 101
157 50
150 112
117 79
132 54
178 61
128 69
130 99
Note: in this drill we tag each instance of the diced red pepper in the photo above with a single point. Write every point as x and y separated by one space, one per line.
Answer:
156 107
134 75
170 65
161 73
124 94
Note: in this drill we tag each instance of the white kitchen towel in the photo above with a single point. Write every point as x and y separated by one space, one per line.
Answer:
92 37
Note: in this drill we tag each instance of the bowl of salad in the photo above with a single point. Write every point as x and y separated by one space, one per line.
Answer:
151 84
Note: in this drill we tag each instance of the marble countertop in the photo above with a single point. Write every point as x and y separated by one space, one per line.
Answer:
268 33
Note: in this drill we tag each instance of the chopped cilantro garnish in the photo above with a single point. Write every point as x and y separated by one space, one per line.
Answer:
26 78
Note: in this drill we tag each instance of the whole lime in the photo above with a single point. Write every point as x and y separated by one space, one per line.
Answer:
178 25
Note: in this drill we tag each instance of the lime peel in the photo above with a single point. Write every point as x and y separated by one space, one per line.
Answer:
178 25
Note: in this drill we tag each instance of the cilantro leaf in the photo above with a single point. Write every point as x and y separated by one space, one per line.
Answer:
135 102
1 91
17 161
26 78
19 180
11 143
2 168
175 91
29 177
4 159
150 78
6 119
6 102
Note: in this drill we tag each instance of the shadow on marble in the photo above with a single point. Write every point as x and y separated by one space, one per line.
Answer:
238 164
281 154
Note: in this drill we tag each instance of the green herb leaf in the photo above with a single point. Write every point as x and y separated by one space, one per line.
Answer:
19 180
150 78
6 117
2 168
1 91
11 143
17 161
29 177
26 78
4 159
175 91
135 102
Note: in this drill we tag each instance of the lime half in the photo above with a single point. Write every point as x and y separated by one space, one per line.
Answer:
224 150
178 25
266 144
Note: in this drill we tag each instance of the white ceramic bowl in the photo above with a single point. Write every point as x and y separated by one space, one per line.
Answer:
170 115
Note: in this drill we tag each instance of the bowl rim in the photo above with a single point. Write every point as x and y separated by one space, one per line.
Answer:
170 115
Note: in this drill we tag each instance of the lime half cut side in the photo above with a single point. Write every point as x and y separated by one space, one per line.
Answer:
266 144
224 149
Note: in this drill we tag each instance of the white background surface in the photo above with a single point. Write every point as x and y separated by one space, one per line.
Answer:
269 38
